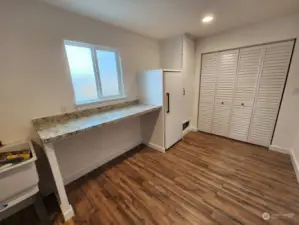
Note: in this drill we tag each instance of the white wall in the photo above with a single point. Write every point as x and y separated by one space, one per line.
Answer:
171 53
188 73
33 74
34 81
295 153
296 146
276 30
152 124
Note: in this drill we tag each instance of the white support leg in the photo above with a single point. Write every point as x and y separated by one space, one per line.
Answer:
66 208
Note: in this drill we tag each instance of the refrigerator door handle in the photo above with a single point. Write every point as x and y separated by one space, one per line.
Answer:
168 103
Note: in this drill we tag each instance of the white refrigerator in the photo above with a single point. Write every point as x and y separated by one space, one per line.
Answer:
162 129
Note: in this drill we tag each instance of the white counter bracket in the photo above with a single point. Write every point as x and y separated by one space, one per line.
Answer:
65 206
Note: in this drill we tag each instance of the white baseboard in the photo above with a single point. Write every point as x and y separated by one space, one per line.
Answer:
156 147
292 155
295 164
280 149
189 129
95 165
67 212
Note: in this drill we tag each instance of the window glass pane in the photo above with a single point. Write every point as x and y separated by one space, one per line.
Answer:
83 74
108 72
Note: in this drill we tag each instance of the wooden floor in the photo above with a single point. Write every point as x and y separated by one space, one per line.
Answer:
203 179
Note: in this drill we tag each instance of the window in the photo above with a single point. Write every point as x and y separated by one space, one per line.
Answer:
95 71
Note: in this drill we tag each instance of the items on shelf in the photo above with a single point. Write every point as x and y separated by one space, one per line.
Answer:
8 159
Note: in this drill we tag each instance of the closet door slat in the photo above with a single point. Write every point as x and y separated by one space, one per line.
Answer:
241 91
272 80
246 84
228 61
208 81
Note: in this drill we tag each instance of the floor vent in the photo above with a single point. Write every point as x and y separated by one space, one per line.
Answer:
186 124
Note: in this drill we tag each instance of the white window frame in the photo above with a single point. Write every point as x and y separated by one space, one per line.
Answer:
93 49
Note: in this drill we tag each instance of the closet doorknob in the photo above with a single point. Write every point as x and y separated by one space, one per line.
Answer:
222 103
242 104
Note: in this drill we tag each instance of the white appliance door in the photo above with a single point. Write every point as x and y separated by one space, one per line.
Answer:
173 107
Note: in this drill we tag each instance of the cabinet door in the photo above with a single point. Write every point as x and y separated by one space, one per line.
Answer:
224 92
173 107
249 65
208 78
269 94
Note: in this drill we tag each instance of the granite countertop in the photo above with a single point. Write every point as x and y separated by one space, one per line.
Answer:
59 127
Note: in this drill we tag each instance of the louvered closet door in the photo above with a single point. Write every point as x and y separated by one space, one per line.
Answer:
224 92
247 77
207 91
273 76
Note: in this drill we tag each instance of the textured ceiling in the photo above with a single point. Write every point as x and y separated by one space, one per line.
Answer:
165 18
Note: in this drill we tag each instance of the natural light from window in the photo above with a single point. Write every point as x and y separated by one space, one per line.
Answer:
108 72
95 72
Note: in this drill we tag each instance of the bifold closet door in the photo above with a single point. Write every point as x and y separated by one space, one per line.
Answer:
275 66
227 69
208 79
247 78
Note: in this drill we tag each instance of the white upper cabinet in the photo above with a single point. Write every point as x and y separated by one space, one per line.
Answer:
271 84
228 61
208 80
247 78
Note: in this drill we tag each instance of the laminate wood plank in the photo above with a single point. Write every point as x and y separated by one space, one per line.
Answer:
203 179
184 193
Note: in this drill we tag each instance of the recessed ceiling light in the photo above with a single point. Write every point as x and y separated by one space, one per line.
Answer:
207 19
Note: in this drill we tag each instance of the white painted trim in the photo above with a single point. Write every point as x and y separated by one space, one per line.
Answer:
65 206
68 213
171 70
295 163
189 129
193 129
97 103
280 149
94 165
290 152
156 147
186 131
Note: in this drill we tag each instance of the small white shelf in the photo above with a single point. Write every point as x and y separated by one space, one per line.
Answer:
19 181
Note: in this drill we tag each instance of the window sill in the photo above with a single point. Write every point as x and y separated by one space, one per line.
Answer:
102 102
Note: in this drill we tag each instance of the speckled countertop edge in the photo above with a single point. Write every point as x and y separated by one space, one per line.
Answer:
47 121
54 128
